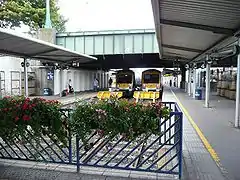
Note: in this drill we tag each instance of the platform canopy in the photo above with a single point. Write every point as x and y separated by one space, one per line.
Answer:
188 29
20 45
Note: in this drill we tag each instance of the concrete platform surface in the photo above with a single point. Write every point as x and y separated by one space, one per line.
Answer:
198 163
69 98
25 170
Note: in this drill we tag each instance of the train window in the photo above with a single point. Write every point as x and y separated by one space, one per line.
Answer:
124 78
151 78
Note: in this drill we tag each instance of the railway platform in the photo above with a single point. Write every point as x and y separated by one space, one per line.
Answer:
216 127
71 98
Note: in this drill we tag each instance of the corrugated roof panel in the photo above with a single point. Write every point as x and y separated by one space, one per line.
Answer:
186 37
191 27
220 13
179 53
23 46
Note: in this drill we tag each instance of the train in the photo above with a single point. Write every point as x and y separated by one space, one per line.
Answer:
152 80
125 82
151 86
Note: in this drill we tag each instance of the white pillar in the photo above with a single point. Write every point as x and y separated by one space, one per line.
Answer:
84 81
57 81
64 79
194 81
104 80
100 79
87 80
237 93
60 82
107 78
73 79
90 80
81 81
25 77
207 83
189 81
1 86
77 81
199 78
185 89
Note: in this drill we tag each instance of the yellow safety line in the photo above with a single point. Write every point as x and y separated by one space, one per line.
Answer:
199 132
164 159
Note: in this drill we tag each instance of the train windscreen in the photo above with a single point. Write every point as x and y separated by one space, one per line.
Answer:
151 78
124 78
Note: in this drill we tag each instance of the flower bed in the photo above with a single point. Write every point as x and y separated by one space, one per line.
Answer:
108 117
117 117
20 114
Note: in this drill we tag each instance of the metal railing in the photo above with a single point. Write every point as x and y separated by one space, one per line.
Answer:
149 153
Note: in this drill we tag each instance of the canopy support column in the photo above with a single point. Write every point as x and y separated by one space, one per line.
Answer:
25 65
207 82
237 91
183 80
189 81
0 86
194 81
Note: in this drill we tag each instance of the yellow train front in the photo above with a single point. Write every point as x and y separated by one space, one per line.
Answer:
124 86
152 88
125 83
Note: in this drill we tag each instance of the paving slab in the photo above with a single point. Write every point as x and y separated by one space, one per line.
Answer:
198 161
217 124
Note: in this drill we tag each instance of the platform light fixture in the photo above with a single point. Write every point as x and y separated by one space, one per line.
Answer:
187 66
209 60
203 66
194 66
27 64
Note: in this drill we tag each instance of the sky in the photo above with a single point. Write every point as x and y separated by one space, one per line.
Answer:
95 15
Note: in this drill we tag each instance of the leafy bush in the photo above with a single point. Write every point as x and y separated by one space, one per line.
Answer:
117 117
20 114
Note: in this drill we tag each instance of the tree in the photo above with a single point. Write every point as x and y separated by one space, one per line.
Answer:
13 13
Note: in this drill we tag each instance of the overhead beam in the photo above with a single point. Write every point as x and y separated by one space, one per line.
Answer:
218 30
182 48
209 48
43 52
156 15
11 53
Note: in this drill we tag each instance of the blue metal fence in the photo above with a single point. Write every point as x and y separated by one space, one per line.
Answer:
43 148
149 153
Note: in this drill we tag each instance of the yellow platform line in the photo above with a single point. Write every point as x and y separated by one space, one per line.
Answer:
164 159
199 132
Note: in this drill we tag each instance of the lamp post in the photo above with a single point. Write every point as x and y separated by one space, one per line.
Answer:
48 23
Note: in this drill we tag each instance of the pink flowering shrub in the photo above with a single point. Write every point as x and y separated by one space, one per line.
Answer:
117 117
19 114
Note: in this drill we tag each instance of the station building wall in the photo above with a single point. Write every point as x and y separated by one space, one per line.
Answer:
82 80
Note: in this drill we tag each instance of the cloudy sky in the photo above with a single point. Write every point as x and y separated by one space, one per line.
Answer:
107 14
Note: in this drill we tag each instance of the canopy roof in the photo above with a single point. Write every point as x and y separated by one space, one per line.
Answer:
25 47
188 29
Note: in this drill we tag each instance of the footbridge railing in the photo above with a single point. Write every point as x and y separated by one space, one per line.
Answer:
149 153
